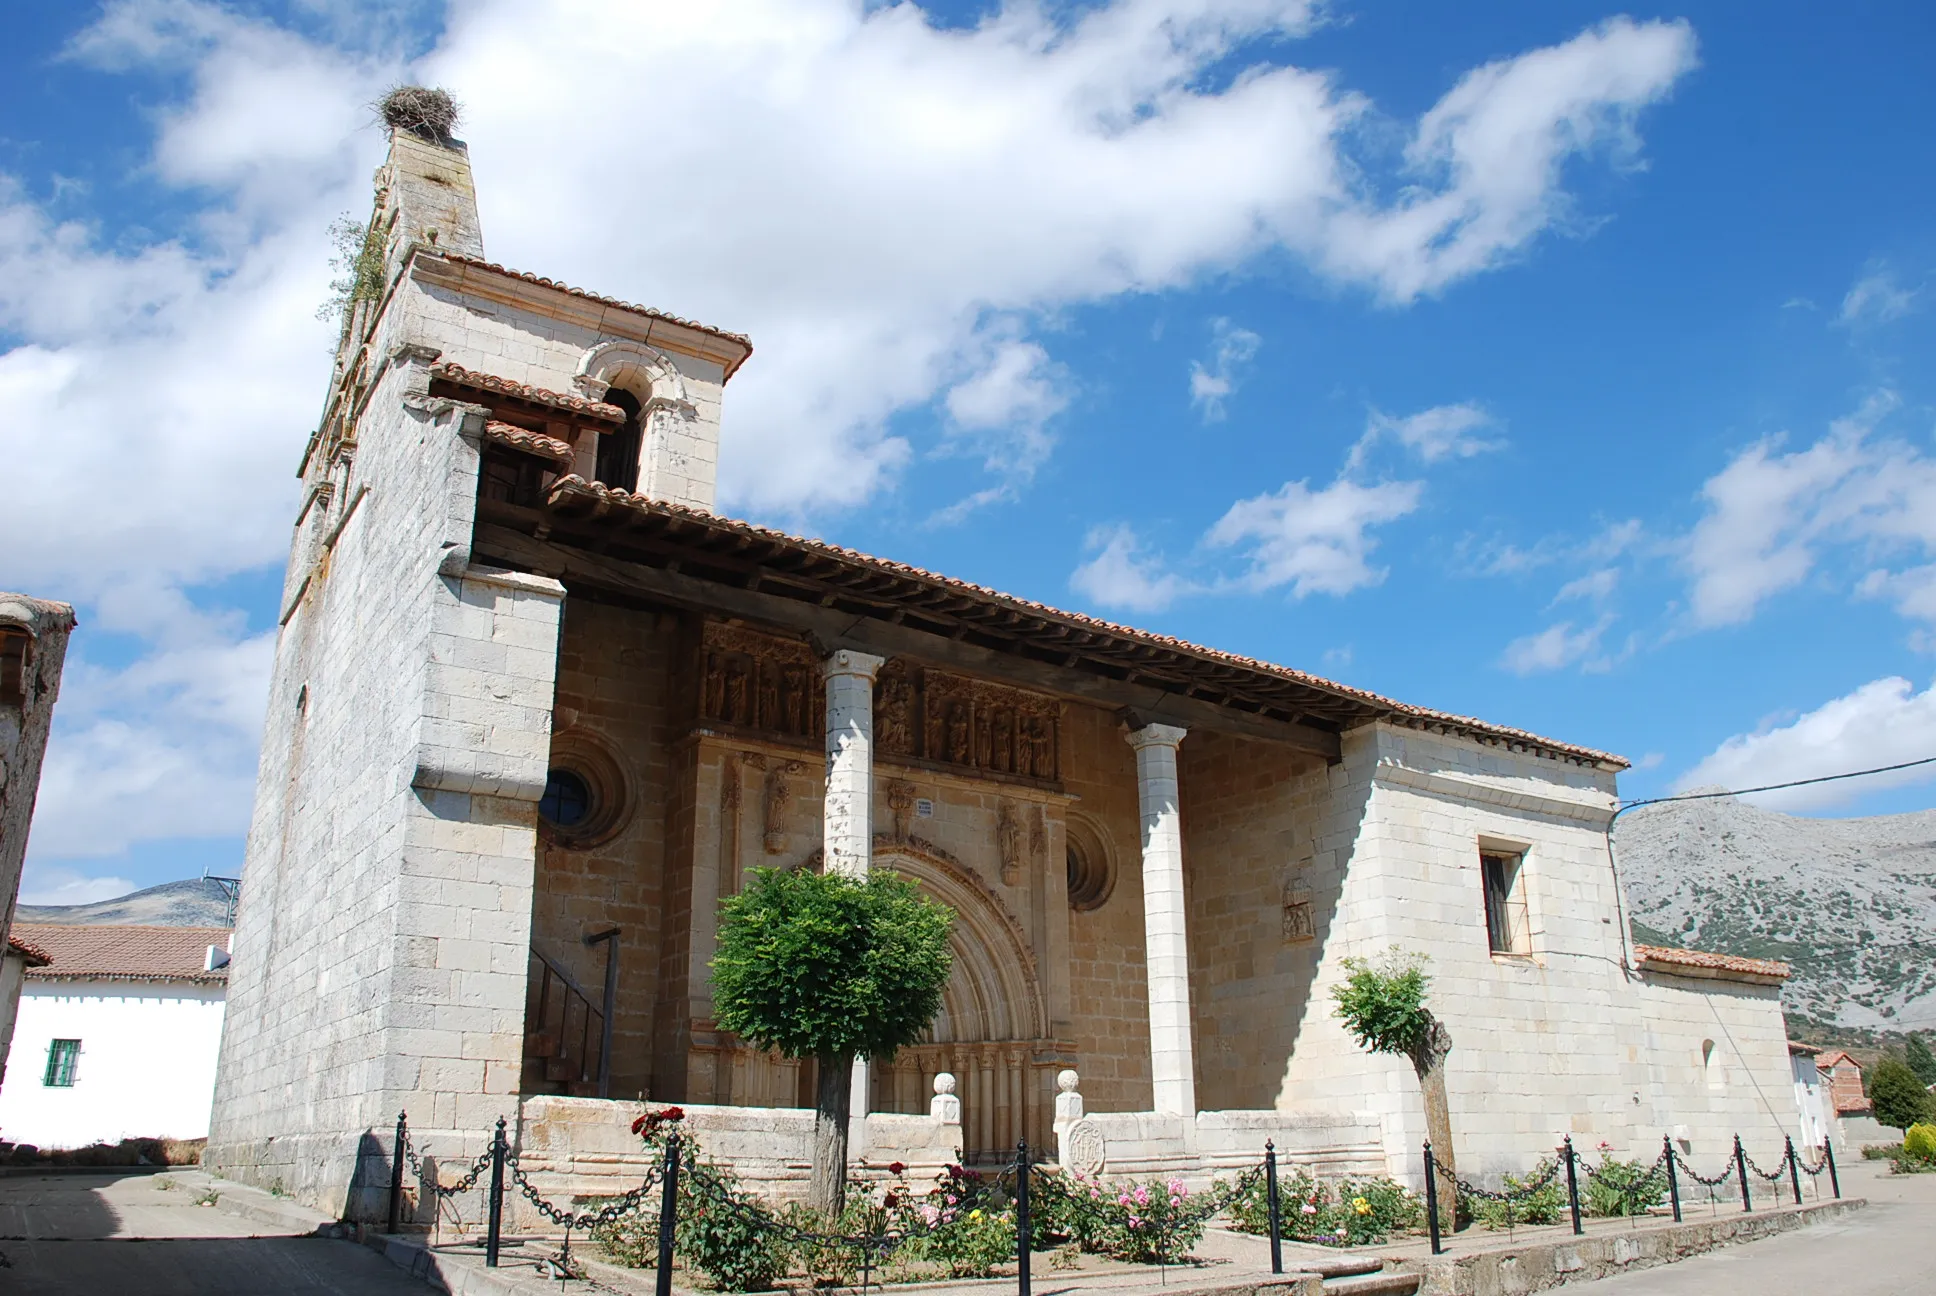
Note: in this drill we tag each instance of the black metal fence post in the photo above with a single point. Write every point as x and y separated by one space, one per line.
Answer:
668 1215
1271 1200
1834 1180
1741 1169
396 1177
493 1226
1022 1238
1572 1182
1794 1171
1673 1180
1432 1196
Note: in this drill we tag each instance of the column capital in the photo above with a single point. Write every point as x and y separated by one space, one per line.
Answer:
1155 735
845 661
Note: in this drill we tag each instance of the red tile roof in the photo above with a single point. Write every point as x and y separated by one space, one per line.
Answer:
530 442
462 377
571 487
33 954
1702 963
1835 1057
114 953
649 312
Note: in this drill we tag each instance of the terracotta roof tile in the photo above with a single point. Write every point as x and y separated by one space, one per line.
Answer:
1671 959
1401 712
462 377
537 443
33 954
647 311
116 953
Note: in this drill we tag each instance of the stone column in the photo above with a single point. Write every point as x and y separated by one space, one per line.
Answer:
1166 947
847 812
848 836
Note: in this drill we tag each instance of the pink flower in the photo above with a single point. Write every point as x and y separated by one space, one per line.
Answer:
951 1199
1176 1201
929 1215
1142 1196
1177 1189
1134 1222
1309 1209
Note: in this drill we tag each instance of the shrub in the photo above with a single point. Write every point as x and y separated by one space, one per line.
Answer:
729 1235
1881 1151
1155 1222
1919 1142
1543 1205
1357 1212
1068 1208
971 1243
1618 1188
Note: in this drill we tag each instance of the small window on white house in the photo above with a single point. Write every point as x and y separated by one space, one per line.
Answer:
1506 924
63 1057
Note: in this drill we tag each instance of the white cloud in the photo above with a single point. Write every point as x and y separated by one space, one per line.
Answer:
891 208
1121 575
1652 760
1876 298
1557 647
162 748
1773 517
44 884
1212 384
1488 156
1442 432
1595 585
1881 723
1317 542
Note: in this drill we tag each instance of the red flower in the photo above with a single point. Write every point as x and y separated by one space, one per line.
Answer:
890 1201
673 1114
896 1168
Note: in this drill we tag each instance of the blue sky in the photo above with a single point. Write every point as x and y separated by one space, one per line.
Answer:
1558 364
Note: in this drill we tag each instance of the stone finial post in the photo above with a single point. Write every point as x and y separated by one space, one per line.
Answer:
1166 946
1068 1110
944 1107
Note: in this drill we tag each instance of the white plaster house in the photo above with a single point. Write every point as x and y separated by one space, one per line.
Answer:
117 1035
537 708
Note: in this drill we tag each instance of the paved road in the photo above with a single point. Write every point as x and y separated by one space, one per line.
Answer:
1884 1250
89 1234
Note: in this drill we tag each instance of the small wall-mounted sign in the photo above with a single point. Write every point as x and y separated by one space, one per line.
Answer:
923 808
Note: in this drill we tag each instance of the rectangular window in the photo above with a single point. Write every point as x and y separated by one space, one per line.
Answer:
1506 925
62 1058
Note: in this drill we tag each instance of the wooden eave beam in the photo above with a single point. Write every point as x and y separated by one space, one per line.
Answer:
837 629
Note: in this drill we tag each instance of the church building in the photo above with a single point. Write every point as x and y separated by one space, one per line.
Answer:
538 707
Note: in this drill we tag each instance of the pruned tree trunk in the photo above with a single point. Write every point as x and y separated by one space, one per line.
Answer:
832 1097
1429 1062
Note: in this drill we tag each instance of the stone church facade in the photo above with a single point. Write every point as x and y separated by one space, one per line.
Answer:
537 708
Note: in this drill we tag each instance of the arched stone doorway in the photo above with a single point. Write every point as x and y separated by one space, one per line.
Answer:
992 1033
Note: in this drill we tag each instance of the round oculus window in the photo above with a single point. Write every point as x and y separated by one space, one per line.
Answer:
1089 880
567 802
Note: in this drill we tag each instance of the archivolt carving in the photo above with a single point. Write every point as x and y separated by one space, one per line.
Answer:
995 993
629 364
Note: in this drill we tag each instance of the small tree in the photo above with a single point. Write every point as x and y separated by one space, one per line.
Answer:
1920 1060
828 967
1382 1003
1897 1095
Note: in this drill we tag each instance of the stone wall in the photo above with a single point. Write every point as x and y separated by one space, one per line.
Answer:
384 923
1562 1041
33 640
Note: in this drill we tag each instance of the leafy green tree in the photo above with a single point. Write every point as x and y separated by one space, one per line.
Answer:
1920 1060
1382 1003
1897 1095
829 967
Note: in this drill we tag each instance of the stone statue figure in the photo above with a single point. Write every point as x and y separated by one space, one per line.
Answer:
945 1108
958 733
1008 840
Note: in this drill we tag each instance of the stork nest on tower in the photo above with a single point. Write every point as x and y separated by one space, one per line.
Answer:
428 111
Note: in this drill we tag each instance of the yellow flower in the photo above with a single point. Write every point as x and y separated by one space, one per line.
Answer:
1360 1205
974 1214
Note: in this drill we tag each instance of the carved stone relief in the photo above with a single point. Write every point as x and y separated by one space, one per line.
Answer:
769 683
1008 838
900 802
760 681
779 794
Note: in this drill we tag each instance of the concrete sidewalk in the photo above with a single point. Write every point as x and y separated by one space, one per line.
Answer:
84 1234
